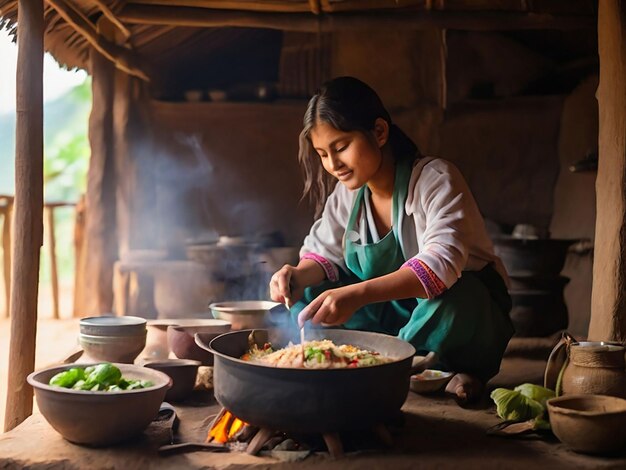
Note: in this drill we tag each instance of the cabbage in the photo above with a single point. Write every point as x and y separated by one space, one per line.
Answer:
535 392
512 405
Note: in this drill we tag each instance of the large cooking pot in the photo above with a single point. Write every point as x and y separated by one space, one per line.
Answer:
311 400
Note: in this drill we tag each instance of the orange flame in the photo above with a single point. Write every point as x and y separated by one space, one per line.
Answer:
224 428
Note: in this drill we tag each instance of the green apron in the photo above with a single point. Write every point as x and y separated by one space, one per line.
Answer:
467 325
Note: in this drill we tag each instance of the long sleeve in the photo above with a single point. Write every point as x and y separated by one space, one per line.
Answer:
444 207
324 243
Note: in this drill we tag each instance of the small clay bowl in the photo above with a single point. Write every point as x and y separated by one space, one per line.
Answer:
112 326
590 424
113 348
181 342
183 374
430 381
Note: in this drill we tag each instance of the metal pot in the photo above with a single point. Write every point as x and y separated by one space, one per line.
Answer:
312 400
528 256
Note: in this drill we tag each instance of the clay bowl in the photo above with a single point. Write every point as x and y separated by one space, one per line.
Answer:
100 418
430 381
112 348
590 424
244 314
181 342
183 374
112 326
156 342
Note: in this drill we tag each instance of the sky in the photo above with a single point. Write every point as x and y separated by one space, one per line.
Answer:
56 80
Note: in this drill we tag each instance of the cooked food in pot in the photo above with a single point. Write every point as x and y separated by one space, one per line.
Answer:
322 354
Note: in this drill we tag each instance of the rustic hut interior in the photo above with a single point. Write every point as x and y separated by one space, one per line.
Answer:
195 123
194 190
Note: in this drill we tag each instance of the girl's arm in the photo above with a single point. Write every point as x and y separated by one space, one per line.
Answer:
400 284
288 283
336 306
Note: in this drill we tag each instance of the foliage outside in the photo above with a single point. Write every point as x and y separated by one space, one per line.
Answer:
66 159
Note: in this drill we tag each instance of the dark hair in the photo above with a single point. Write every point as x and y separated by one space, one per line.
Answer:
347 104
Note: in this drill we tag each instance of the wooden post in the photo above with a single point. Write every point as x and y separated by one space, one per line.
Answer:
100 227
54 273
78 307
6 250
28 210
608 299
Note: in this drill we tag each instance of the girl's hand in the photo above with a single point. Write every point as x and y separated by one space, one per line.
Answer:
285 286
332 307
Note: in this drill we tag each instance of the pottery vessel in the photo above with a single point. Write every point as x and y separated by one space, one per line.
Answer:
183 374
100 418
587 367
181 339
591 424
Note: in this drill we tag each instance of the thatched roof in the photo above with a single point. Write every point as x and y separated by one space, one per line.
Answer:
144 29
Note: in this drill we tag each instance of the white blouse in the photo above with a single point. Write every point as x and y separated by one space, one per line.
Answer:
440 227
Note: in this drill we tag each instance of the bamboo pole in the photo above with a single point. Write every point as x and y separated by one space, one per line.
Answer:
28 210
122 58
308 23
608 299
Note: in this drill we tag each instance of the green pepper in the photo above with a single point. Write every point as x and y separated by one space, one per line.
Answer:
67 378
137 384
104 374
123 383
309 352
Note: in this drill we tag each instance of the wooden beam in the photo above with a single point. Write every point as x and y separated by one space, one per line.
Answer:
245 5
360 5
122 58
608 299
315 6
306 22
108 13
28 209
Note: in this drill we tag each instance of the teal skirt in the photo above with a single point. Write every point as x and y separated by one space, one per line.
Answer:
467 326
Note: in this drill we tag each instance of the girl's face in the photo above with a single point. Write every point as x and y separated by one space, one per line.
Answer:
350 157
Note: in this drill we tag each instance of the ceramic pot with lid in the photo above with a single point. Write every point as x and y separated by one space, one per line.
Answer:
587 367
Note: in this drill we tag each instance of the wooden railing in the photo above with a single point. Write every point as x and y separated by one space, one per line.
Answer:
6 211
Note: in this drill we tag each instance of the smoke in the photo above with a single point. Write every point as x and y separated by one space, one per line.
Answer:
190 211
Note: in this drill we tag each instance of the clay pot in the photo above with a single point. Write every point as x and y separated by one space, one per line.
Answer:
181 341
100 418
595 368
589 367
592 424
112 348
183 374
527 256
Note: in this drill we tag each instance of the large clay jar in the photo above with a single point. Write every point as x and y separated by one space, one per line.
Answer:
595 368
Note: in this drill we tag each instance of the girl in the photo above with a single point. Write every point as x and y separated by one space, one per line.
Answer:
400 248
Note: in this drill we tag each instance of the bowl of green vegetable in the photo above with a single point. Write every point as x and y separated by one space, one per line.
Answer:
99 404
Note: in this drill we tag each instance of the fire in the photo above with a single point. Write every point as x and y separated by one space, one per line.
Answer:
224 428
